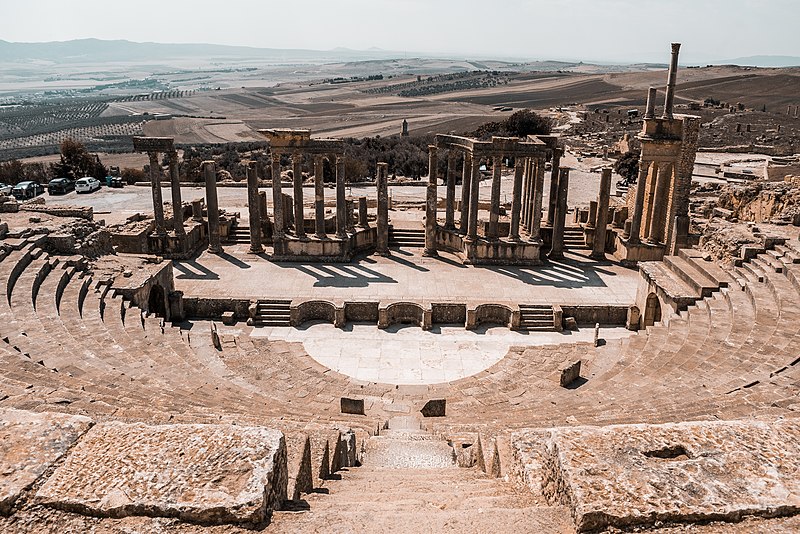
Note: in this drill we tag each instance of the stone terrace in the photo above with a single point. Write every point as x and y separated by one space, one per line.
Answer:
405 275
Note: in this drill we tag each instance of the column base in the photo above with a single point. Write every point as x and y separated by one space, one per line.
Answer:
430 253
600 256
215 250
259 250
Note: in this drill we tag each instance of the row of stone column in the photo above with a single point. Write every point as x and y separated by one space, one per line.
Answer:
527 196
279 232
158 205
651 205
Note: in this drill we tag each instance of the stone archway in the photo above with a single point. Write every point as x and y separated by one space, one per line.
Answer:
157 301
652 310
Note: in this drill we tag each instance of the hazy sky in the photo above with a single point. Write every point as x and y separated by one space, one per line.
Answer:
612 30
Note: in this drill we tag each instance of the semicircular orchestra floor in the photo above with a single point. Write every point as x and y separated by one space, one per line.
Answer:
408 355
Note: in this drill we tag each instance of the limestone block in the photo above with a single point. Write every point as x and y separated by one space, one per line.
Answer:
29 444
352 406
434 408
209 474
625 475
570 373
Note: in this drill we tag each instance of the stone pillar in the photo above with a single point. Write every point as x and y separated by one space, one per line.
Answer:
277 199
212 204
474 191
466 180
155 186
650 112
538 199
430 203
671 80
494 213
591 220
526 198
636 220
297 182
551 204
599 245
319 197
450 199
557 249
516 200
530 187
262 204
363 221
341 202
177 202
382 245
197 210
253 204
658 221
649 198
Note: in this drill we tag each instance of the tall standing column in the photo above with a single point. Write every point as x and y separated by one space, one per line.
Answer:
212 204
177 203
381 181
319 197
599 245
554 174
341 201
450 198
671 80
277 198
526 199
297 182
538 199
155 186
494 214
636 220
658 220
516 200
430 203
650 110
466 180
474 192
560 220
254 207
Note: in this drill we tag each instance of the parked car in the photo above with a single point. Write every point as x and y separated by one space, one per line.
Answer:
5 189
87 184
28 189
60 186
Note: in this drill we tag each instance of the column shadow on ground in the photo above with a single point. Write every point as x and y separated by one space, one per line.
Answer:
341 275
192 270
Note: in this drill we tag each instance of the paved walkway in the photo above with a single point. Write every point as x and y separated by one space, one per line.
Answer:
409 355
406 275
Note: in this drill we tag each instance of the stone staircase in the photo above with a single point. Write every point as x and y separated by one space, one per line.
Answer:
406 238
239 235
573 238
272 313
536 317
409 482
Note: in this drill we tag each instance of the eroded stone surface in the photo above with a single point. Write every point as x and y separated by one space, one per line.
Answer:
29 444
637 474
202 473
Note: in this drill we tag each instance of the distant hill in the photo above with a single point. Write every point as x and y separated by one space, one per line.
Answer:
98 50
762 61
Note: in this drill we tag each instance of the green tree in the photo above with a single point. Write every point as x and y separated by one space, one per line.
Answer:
76 162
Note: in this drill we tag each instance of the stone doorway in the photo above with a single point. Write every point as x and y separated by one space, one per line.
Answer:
652 310
157 301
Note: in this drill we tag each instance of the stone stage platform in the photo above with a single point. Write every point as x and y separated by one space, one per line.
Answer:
576 280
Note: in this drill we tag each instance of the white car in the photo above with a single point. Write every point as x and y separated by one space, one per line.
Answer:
87 184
